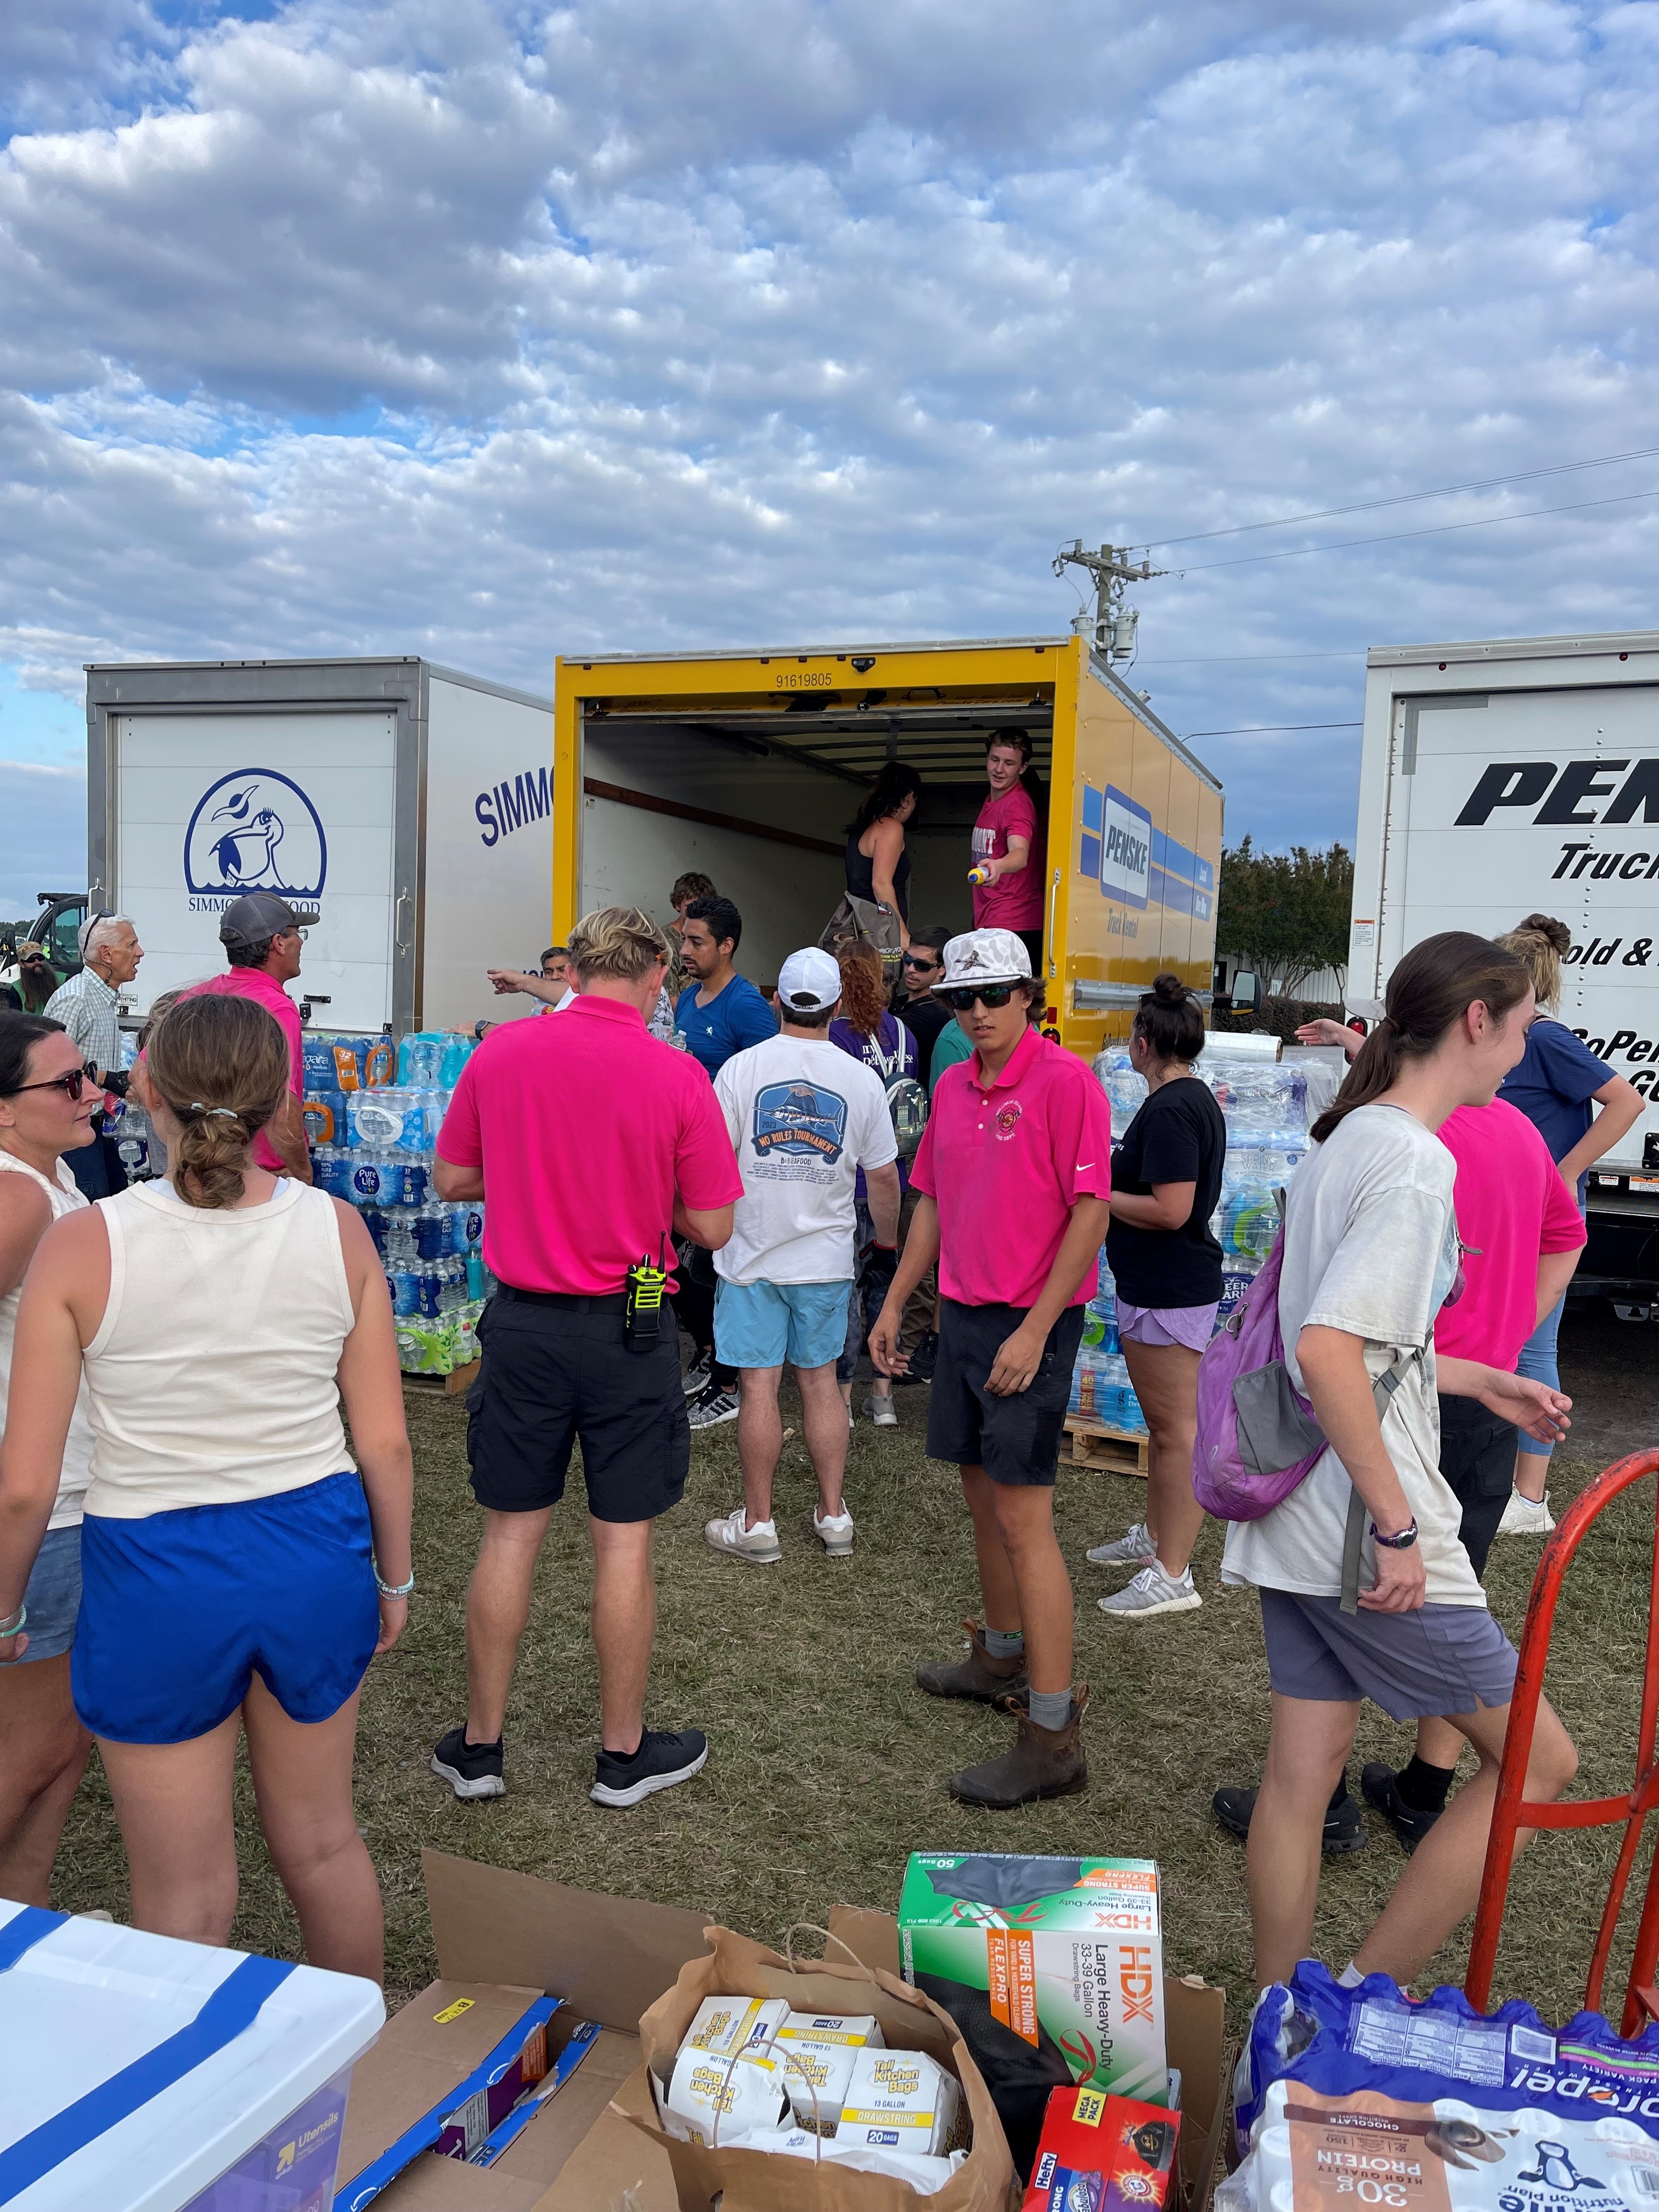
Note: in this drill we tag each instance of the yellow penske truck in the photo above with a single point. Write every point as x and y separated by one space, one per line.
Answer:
748 766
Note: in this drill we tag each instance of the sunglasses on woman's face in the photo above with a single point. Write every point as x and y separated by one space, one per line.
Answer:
989 995
72 1085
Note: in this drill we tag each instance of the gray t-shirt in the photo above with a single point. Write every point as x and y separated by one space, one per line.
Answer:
1371 1247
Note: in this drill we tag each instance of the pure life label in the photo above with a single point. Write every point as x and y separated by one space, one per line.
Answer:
254 829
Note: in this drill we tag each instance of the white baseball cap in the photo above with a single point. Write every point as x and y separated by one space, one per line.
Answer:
985 955
808 982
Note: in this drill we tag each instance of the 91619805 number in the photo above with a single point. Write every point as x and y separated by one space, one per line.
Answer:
801 680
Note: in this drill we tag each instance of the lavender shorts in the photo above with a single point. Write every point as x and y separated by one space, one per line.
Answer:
1192 1326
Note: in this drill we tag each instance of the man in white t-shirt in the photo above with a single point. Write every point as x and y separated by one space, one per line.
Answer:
804 1118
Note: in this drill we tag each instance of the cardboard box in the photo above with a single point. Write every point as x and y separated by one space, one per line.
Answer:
503 1939
1068 1952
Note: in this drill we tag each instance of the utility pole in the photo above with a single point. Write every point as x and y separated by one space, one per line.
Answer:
1113 624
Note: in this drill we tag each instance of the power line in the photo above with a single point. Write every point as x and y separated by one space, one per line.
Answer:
1233 659
1436 529
1404 498
1259 729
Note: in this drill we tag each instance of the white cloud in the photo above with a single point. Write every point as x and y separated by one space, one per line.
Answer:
448 328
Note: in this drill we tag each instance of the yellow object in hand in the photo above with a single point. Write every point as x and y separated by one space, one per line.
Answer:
979 875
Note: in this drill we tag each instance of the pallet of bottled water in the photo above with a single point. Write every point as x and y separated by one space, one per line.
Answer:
1100 1388
374 1145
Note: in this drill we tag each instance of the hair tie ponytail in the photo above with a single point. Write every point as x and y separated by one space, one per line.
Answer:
207 1112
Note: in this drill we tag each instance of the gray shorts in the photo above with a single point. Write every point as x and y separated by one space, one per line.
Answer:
53 1596
1438 1661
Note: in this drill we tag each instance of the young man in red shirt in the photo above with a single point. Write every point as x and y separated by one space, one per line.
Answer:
1014 1172
563 1363
1010 847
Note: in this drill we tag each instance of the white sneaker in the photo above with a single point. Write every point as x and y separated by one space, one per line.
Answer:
759 1545
835 1532
1153 1592
881 1411
1131 1550
1526 1517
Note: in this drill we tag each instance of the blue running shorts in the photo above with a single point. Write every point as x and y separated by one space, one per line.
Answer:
180 1611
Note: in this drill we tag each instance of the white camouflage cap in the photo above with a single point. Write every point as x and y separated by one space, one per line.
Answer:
985 955
808 982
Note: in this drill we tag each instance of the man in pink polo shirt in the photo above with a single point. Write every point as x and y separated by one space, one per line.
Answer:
565 1362
264 937
1014 1172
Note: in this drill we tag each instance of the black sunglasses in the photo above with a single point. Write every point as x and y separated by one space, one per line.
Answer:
989 995
919 960
74 1082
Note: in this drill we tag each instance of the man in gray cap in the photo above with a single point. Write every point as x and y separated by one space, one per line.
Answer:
264 937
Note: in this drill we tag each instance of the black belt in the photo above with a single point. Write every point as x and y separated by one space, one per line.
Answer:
607 1302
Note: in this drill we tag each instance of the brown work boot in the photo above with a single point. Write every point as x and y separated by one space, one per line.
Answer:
1043 1762
979 1675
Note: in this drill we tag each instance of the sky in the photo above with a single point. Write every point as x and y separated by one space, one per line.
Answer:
489 331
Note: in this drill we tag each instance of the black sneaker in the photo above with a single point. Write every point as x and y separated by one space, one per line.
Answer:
712 1406
695 1380
1380 1788
1345 1824
661 1760
472 1770
924 1358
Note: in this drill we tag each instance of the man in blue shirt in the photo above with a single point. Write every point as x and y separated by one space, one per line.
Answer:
719 1013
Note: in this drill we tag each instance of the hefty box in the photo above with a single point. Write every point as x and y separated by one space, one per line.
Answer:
1068 1952
1099 2154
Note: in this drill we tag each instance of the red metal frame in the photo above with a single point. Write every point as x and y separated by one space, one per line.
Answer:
1512 1811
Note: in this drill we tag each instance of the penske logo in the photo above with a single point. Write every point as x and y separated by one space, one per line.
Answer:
1574 794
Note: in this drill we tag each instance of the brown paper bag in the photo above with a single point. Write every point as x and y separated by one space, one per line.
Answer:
754 2181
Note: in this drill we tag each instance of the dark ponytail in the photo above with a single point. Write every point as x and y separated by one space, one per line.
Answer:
1170 1022
1431 988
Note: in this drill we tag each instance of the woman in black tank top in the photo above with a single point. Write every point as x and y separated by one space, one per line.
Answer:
877 865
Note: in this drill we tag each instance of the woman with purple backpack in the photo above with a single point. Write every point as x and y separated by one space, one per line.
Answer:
1371 1252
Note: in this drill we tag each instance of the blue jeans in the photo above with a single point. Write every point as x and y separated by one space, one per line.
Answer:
1538 1365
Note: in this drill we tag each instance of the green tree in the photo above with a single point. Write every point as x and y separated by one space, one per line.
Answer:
1285 915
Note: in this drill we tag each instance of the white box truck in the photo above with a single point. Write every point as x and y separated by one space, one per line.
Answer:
410 805
1516 775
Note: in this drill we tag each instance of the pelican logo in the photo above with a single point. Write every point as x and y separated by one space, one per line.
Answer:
253 830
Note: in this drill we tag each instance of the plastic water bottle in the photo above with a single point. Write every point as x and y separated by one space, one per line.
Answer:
459 1048
368 1174
430 1282
431 1232
475 1228
417 1180
403 1276
475 1275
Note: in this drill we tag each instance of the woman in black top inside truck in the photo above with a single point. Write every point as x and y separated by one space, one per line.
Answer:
1166 1181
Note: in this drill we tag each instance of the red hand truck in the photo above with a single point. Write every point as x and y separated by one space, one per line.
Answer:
1512 1811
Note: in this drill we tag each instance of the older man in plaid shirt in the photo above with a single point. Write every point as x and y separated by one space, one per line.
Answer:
90 1005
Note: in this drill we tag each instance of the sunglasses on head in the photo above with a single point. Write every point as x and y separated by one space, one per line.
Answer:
72 1085
989 995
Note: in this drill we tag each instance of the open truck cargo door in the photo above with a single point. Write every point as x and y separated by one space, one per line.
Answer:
748 766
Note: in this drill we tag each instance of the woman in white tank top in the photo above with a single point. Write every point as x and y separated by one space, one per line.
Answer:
231 1552
45 1110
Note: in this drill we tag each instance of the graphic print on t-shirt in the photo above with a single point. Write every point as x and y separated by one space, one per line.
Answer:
801 1119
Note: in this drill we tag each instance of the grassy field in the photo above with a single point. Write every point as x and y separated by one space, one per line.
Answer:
828 1766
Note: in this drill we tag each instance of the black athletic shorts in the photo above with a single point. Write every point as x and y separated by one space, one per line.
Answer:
1477 1458
554 1376
1015 1439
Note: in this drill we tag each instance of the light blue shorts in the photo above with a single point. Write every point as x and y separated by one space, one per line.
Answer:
765 1324
53 1596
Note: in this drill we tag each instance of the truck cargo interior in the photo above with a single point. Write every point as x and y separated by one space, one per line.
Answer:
757 794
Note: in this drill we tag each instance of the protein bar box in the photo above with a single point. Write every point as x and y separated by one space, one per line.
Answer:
1068 1952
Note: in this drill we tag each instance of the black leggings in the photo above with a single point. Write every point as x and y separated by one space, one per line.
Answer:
693 1305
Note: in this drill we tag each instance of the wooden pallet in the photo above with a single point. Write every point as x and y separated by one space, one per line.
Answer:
445 1385
1115 1452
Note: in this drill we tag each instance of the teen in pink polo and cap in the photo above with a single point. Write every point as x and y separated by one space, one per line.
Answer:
1014 1172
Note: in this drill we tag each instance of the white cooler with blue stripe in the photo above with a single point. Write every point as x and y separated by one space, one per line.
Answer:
142 2075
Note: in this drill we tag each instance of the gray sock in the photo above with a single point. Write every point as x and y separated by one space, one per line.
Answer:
1005 1643
1050 1709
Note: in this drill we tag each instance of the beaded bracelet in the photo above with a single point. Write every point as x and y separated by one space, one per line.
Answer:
390 1590
14 1626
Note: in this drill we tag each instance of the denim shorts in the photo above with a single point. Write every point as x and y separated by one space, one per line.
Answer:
1438 1661
53 1596
765 1324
